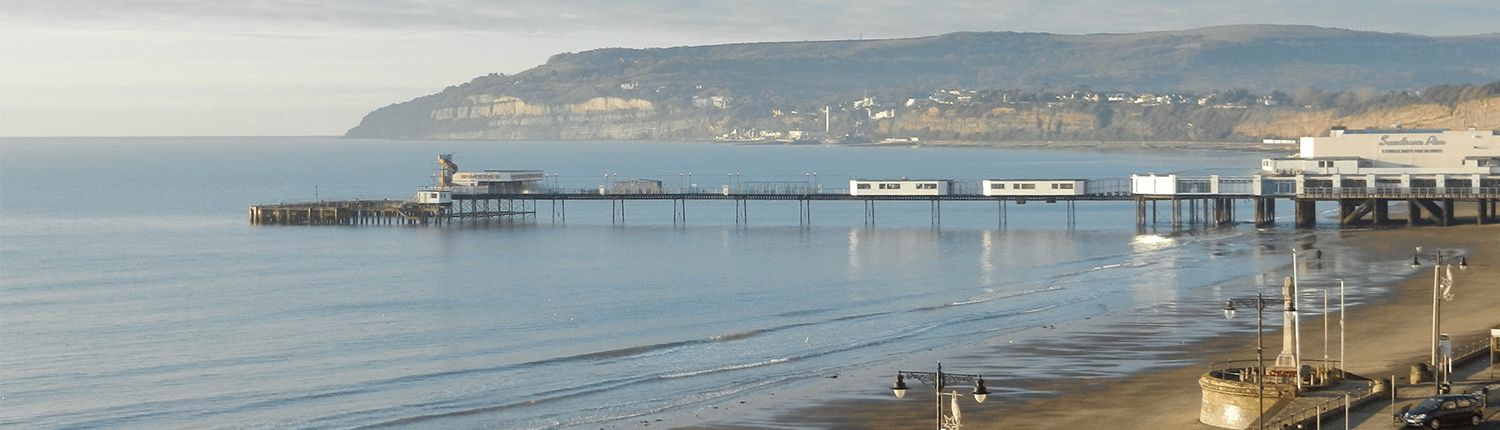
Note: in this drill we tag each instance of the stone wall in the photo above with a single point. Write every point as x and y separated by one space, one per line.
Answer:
1232 403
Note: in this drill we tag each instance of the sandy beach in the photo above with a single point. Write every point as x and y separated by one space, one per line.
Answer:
1383 338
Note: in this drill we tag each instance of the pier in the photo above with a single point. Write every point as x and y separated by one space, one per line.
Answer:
1364 172
348 212
1176 201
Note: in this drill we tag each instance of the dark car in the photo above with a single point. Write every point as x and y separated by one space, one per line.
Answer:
1444 411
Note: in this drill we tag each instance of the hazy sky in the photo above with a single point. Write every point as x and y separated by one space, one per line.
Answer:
315 67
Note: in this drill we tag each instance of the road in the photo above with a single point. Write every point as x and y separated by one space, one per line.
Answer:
1376 415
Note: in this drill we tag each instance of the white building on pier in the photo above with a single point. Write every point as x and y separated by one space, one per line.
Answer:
1392 152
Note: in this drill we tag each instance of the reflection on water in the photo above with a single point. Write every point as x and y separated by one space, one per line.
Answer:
117 316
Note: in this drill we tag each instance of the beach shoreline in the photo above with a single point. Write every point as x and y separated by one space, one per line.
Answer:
1384 338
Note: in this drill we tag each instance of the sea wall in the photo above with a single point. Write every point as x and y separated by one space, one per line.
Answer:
1233 404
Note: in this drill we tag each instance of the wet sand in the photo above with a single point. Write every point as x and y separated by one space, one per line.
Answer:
1383 338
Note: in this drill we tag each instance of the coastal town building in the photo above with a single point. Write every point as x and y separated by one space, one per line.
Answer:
1393 152
1365 171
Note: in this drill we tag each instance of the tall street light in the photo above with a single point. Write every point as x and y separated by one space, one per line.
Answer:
1259 303
1438 258
1343 368
940 380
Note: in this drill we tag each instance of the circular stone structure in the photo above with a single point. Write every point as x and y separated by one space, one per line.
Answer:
1230 399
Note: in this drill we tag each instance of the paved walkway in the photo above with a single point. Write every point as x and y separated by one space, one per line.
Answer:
1377 414
1310 403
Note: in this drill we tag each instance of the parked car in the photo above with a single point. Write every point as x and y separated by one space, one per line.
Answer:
1444 411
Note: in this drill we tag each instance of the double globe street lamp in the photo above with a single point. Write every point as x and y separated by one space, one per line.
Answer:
1259 303
940 380
1442 259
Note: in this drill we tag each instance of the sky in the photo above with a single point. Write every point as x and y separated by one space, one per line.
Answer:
315 67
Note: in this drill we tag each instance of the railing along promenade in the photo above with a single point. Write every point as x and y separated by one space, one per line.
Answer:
1307 413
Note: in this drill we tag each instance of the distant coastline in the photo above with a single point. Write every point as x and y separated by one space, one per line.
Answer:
1105 145
1132 145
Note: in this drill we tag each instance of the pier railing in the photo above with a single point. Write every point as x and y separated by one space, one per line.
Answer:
1401 193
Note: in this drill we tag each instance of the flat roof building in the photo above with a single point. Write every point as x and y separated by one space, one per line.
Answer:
1393 151
497 181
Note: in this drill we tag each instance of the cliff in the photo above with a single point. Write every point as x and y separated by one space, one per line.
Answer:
897 87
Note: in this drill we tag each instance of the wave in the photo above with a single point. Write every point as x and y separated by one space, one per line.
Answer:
561 394
727 368
614 411
993 296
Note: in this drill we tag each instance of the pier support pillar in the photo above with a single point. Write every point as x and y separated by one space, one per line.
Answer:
1192 211
1413 212
1354 211
1140 211
1439 213
936 207
1260 211
1307 213
1482 208
1265 211
1000 213
1219 211
1176 213
1448 218
869 213
1209 204
1270 210
1382 211
1346 212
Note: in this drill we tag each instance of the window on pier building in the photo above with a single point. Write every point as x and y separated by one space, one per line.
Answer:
862 186
927 186
890 186
997 186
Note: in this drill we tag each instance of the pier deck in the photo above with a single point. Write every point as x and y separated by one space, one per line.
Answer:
348 212
1356 206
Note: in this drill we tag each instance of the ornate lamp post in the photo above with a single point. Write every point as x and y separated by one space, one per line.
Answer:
1442 259
1259 303
940 380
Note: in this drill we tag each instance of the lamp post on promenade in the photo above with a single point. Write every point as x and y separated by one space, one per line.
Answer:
1259 303
1442 259
1325 331
1295 297
940 380
1342 367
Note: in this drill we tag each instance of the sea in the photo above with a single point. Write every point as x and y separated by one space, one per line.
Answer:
135 293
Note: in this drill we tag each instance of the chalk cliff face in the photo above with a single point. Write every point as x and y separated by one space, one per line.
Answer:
492 106
1483 113
705 91
488 116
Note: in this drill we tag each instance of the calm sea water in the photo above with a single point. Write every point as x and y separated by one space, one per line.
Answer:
135 294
